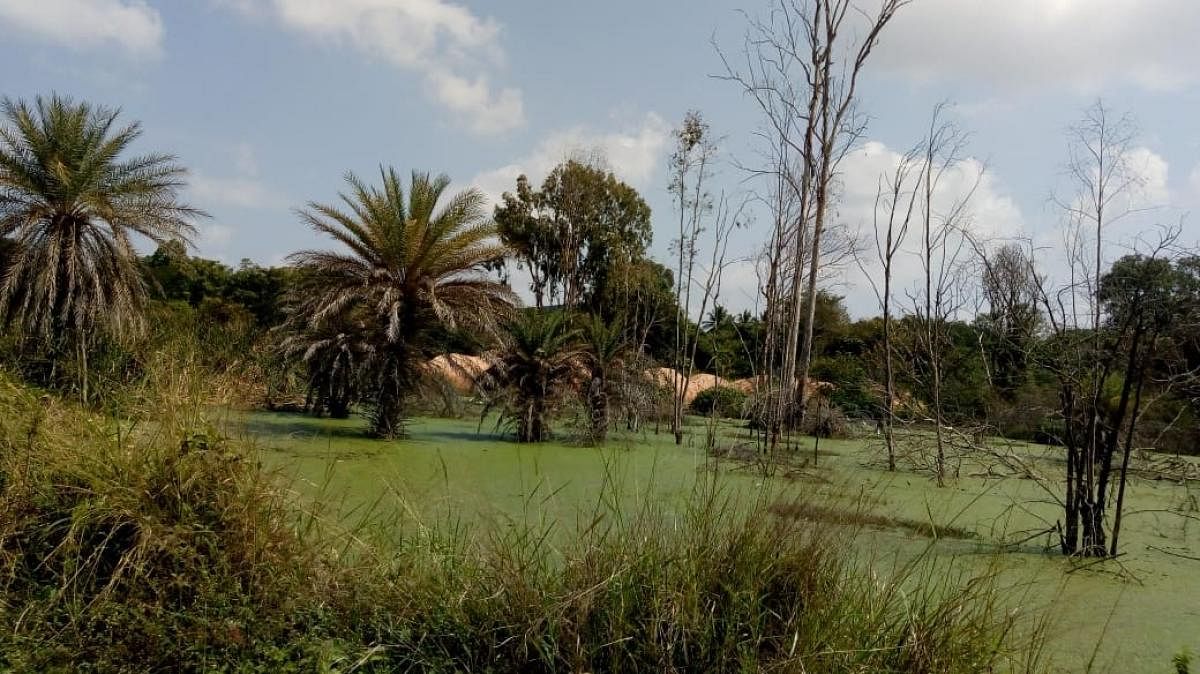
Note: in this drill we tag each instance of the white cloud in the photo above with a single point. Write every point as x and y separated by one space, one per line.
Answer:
87 24
486 112
238 191
1080 45
633 154
452 48
991 215
243 189
1151 172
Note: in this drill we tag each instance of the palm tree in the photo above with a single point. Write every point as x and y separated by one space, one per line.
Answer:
71 206
533 371
718 318
409 266
332 353
607 357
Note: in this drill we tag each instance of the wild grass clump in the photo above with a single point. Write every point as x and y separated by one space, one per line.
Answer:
146 550
163 548
860 517
716 588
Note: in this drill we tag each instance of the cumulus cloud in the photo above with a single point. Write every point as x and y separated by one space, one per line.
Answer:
131 25
454 50
1081 45
992 214
1151 173
633 154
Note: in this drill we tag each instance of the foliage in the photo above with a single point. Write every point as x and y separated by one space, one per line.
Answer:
854 392
533 371
170 551
409 266
612 372
72 205
574 233
333 353
152 551
640 295
721 401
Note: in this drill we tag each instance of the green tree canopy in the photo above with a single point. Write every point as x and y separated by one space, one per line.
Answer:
574 233
72 202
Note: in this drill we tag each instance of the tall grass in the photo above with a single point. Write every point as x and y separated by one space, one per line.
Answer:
149 543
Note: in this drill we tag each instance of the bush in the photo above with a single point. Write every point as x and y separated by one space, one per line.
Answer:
725 401
825 420
164 552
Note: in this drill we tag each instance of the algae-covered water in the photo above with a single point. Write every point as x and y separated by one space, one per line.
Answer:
1130 615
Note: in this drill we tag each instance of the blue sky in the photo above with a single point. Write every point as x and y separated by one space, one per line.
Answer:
270 102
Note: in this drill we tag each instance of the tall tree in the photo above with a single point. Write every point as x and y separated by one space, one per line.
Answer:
573 233
803 65
1011 323
1082 358
72 203
699 213
895 204
412 263
941 248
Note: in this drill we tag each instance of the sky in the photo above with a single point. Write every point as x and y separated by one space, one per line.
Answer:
271 102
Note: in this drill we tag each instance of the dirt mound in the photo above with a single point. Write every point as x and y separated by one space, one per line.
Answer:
459 370
750 385
668 377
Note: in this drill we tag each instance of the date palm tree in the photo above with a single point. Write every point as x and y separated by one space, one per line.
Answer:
410 263
71 204
533 371
609 359
332 353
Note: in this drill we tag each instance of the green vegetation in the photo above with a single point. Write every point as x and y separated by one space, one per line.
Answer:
139 551
69 209
725 402
158 512
410 267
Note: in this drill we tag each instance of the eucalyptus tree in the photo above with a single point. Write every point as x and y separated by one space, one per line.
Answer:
411 263
73 202
574 233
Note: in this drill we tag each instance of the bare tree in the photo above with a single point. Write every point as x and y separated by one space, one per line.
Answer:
802 65
941 254
895 203
1086 356
691 166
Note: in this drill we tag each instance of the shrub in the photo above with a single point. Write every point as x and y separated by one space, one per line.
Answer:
724 401
166 551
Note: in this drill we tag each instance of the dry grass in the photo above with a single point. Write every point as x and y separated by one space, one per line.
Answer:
858 517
